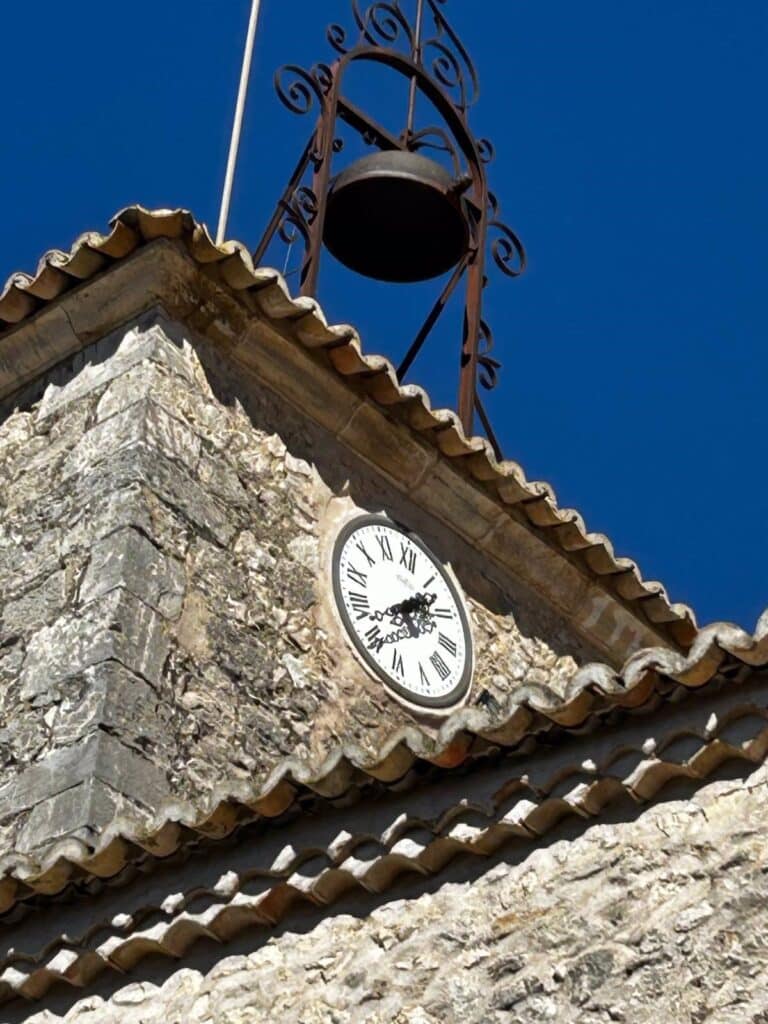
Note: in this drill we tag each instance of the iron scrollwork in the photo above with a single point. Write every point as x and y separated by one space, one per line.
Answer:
425 49
299 89
384 23
299 214
488 367
443 55
452 66
486 150
337 36
507 250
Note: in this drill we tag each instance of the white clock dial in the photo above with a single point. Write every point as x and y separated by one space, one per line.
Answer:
402 611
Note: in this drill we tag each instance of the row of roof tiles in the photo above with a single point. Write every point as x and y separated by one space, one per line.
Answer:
467 734
92 253
373 861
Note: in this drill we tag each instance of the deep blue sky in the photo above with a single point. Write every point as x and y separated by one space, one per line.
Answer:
631 157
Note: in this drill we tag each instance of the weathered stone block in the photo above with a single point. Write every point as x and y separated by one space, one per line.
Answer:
120 351
396 451
127 559
220 479
27 560
118 626
454 500
101 756
108 696
80 812
174 392
132 506
146 424
36 608
168 480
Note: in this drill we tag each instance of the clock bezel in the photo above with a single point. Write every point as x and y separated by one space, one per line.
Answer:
442 703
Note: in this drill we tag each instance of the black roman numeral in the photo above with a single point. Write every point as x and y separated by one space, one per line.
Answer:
429 582
374 638
386 549
425 679
407 556
397 663
357 577
361 547
448 644
442 613
439 666
359 603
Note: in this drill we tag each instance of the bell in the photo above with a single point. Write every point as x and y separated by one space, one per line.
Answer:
396 216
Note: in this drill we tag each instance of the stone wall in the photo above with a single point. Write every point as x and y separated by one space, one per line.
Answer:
165 626
656 919
165 622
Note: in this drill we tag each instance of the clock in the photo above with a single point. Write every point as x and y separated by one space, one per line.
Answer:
402 612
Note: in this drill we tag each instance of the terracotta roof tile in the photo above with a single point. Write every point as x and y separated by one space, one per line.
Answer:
528 805
468 733
92 253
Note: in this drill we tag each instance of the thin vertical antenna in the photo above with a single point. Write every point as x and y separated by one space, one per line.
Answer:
417 58
237 127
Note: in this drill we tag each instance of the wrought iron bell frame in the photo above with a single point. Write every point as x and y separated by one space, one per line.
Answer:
438 68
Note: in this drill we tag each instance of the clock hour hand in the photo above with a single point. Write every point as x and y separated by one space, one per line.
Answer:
410 625
411 617
416 603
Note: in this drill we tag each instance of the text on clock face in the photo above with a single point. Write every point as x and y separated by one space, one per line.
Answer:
402 610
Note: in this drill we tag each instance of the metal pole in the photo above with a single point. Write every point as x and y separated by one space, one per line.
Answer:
238 125
416 59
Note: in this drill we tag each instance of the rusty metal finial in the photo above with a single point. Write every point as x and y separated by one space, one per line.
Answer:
397 214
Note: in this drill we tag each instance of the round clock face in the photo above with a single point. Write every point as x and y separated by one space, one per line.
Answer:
402 612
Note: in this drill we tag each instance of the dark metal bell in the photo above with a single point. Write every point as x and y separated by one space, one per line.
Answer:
396 216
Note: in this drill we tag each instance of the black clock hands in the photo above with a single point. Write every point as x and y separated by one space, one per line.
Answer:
414 612
419 603
411 618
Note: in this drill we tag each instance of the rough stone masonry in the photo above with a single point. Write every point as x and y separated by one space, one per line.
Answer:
164 622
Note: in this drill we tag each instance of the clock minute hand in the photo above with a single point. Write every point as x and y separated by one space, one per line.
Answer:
416 603
405 609
410 625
